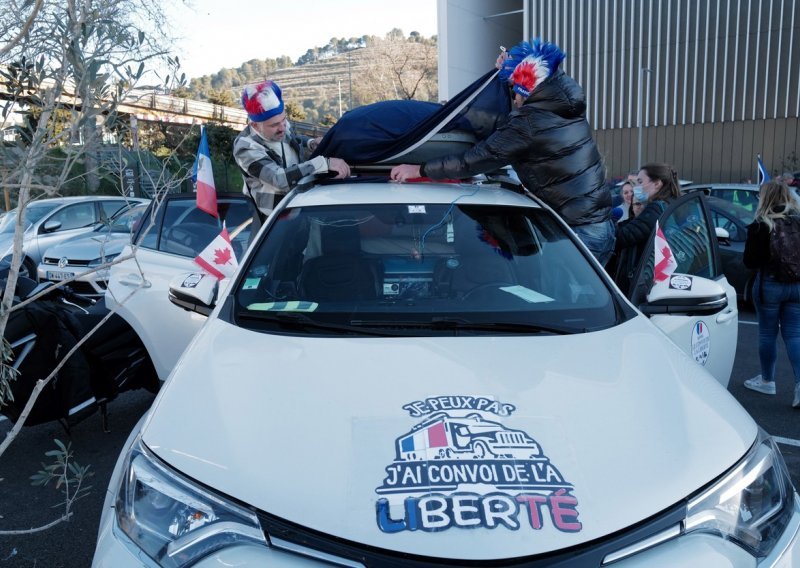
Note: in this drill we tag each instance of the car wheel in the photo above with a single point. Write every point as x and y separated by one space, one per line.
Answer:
28 270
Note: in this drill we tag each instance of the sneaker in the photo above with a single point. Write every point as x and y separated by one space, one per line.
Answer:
760 385
796 401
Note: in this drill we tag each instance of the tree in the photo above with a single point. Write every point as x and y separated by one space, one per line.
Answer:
399 69
59 53
294 111
222 97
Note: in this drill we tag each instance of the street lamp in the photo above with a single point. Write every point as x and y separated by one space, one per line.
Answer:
642 71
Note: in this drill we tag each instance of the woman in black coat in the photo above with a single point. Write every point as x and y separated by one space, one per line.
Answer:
659 183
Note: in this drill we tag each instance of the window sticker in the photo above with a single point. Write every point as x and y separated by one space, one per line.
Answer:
416 209
251 283
680 282
701 342
293 306
530 296
460 466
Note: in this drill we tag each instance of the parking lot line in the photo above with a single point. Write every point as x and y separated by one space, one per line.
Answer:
786 441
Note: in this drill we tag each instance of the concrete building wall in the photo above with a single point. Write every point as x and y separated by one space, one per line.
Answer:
707 84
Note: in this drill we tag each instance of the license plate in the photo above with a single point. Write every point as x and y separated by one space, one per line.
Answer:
51 275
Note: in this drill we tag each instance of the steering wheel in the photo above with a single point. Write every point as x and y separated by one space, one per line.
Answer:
485 286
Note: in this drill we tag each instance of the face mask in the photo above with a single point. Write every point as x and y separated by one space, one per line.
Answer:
639 194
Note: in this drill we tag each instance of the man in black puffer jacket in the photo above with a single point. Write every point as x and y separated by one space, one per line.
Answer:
548 142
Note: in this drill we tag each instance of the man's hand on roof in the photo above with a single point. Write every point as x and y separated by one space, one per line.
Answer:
340 167
404 172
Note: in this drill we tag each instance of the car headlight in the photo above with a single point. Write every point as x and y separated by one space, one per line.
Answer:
103 259
173 520
751 505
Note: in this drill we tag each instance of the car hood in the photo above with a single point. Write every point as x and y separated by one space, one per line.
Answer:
89 247
538 442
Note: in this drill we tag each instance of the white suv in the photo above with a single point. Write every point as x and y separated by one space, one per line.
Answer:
394 363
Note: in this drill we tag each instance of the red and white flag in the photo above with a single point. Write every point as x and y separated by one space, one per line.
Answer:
218 258
665 263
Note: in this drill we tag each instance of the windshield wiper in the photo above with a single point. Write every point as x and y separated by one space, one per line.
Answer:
296 321
458 324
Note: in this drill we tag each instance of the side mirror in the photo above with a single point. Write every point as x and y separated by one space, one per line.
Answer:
195 292
723 236
51 226
685 294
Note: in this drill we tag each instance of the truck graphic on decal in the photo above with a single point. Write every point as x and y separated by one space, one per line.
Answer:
442 436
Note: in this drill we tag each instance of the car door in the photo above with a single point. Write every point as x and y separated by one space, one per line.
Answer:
731 248
67 222
169 238
708 339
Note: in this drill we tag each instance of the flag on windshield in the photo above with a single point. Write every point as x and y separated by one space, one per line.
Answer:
218 258
665 263
763 176
203 176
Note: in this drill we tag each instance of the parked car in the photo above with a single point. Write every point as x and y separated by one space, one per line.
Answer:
733 220
394 362
52 221
80 256
743 194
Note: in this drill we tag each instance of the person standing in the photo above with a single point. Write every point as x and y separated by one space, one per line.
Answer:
657 186
776 290
269 154
548 142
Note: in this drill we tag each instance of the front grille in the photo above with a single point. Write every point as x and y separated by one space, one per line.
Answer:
70 262
586 555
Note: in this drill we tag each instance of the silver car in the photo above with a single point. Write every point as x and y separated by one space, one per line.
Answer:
80 256
51 221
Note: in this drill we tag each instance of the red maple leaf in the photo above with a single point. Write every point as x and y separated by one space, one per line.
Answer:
222 256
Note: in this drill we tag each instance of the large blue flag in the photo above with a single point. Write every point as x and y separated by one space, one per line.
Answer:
763 176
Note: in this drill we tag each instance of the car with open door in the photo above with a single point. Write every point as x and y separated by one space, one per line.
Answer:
392 363
171 233
708 335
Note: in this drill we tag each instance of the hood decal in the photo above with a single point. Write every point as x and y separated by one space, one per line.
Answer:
459 466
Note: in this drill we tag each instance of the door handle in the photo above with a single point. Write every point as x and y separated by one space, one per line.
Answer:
727 315
134 280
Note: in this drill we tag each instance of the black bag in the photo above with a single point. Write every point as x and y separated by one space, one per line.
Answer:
784 249
68 395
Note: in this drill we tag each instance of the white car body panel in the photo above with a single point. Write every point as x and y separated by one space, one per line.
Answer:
709 340
313 450
164 328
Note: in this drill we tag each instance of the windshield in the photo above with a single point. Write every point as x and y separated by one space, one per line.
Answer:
422 268
126 221
33 212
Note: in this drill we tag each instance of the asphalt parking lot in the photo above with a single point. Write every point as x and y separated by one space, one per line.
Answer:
71 545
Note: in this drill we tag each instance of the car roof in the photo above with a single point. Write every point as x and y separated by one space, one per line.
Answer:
79 198
409 193
745 186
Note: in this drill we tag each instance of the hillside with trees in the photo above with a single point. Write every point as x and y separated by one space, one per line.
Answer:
329 80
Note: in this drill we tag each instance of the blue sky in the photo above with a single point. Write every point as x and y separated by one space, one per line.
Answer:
225 33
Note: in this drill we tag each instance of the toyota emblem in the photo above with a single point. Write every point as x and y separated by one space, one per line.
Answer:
63 261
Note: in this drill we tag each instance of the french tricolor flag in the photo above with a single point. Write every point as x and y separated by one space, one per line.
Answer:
203 176
433 436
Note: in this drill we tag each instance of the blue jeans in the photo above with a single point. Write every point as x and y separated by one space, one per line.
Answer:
599 238
778 306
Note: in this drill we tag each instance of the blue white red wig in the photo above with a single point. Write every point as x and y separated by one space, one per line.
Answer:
529 64
262 101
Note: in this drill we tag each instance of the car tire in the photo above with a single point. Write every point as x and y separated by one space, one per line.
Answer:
28 270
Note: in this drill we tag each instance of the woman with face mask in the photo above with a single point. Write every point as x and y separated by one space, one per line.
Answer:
657 186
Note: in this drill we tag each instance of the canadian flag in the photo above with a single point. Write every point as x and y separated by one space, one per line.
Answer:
665 263
218 258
